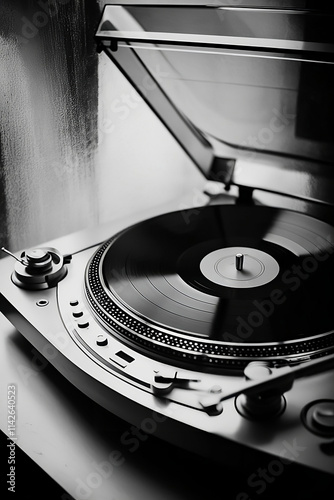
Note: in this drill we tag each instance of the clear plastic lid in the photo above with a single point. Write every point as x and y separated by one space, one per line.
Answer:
252 78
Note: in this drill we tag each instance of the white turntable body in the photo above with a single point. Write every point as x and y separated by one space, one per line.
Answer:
121 379
202 410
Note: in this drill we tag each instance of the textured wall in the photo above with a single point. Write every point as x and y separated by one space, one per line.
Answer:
48 116
77 145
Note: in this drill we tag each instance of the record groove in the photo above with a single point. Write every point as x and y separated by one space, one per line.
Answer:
146 286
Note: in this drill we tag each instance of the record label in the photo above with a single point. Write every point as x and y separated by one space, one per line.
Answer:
257 268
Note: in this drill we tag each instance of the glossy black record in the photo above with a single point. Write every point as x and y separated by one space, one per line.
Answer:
170 284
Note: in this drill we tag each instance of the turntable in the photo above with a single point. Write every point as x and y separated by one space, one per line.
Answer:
215 319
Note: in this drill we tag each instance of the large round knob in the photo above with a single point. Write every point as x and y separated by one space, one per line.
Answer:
36 255
318 417
39 268
323 416
257 370
38 261
262 405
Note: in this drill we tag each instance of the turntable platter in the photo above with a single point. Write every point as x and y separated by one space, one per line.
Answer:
220 284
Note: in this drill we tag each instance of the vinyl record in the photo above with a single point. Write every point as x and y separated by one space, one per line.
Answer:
220 282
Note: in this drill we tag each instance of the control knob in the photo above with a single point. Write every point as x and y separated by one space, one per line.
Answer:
39 268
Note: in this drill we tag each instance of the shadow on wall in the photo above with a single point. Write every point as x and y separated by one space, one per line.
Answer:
48 117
